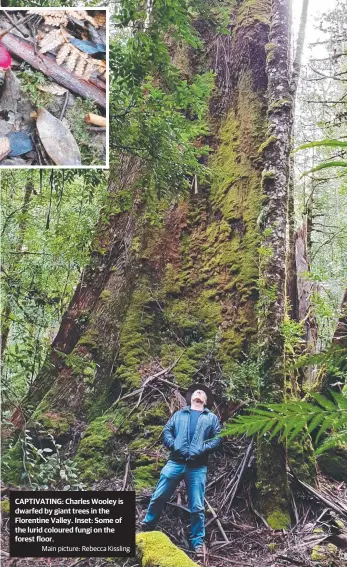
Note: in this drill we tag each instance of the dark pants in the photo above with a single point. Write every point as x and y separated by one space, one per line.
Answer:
195 481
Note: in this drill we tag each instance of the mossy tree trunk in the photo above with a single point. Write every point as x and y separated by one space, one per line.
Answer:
184 295
272 479
79 364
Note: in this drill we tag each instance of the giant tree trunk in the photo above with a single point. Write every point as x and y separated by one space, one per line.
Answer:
79 364
162 307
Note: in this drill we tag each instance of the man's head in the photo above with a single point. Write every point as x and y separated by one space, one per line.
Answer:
199 396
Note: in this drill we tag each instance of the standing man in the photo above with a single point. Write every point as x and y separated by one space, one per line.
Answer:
190 435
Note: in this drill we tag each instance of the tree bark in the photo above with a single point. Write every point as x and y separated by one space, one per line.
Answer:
291 270
273 488
79 351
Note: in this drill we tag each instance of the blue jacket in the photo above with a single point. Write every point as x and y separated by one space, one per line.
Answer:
176 436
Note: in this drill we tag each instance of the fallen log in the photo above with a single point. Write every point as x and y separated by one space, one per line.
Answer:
24 50
156 549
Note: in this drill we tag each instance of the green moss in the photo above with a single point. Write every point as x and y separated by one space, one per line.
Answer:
53 422
134 349
152 434
302 460
267 143
279 104
90 339
105 295
172 281
316 554
94 453
270 174
189 360
270 49
279 520
326 554
252 12
5 506
155 549
272 486
147 476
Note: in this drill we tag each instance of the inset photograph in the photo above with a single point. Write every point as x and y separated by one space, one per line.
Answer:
54 87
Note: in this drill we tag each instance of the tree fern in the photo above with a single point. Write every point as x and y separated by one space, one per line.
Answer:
289 419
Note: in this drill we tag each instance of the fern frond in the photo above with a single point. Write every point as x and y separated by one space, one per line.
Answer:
336 440
323 401
288 420
328 143
325 165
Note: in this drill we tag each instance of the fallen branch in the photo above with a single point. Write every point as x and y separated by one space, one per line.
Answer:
221 529
147 380
293 561
235 482
24 50
338 507
231 495
126 473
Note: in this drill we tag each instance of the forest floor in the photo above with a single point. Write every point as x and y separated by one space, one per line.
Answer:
239 537
51 89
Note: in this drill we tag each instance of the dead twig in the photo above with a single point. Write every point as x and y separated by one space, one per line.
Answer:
126 473
235 482
16 24
221 529
62 114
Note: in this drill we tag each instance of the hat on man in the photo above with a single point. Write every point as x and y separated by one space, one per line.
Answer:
194 387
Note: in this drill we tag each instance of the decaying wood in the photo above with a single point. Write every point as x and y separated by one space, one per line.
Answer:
24 50
95 119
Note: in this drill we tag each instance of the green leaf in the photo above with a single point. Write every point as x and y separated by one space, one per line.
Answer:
329 143
325 165
276 429
324 402
316 420
340 399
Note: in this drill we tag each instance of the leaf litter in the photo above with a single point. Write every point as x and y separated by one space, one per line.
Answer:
76 41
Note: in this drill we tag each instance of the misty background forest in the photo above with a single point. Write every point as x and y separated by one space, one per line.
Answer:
213 250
